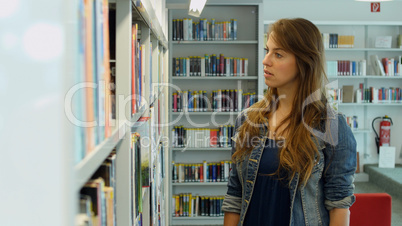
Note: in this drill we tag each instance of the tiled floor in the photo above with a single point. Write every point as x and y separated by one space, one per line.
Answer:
367 187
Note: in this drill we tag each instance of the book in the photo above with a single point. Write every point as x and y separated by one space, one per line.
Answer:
85 214
134 72
143 125
91 105
106 65
136 181
89 78
78 107
376 65
399 41
109 205
94 189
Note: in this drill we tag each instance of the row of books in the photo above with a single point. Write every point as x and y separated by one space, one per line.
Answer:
226 100
188 30
381 95
346 94
139 173
334 40
346 68
97 199
140 81
352 122
210 65
203 172
387 66
148 168
90 97
188 205
202 137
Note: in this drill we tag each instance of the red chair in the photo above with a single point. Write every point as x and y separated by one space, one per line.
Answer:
371 209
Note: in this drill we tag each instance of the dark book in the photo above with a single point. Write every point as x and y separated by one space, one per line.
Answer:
104 171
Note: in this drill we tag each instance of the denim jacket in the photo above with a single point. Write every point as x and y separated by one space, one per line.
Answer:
329 186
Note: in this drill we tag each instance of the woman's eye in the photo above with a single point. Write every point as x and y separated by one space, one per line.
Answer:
266 51
278 55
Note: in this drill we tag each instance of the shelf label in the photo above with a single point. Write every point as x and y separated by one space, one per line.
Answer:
375 7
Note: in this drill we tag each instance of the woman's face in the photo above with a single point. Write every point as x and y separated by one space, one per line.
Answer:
280 69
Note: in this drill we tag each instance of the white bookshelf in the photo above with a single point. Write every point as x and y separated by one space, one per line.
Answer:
200 149
365 33
195 220
247 45
245 42
216 78
126 12
365 77
91 162
371 104
363 50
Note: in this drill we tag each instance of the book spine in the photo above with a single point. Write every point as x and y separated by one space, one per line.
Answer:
238 66
221 64
181 30
185 29
174 102
224 31
205 175
190 29
187 67
234 29
240 100
206 30
174 34
213 29
229 30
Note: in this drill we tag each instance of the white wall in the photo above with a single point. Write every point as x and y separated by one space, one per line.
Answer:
342 10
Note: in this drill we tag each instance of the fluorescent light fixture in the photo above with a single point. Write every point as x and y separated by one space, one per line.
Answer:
196 7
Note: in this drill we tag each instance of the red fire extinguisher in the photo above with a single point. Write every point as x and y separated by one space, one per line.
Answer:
385 132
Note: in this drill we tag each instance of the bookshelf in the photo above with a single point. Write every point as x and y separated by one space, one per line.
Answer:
47 166
247 44
151 36
365 33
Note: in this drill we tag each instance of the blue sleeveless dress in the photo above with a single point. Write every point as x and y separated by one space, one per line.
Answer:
270 201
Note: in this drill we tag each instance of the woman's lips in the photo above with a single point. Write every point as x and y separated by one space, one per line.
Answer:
267 74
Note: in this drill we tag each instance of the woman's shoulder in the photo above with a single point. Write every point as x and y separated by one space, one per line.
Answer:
333 117
332 126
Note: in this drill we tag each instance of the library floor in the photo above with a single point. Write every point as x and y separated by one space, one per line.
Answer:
385 180
368 187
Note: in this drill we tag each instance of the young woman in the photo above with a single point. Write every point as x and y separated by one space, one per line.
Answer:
294 156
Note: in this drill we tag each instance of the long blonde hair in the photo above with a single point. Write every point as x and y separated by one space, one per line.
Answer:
303 39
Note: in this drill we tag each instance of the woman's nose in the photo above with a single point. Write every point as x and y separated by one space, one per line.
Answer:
267 60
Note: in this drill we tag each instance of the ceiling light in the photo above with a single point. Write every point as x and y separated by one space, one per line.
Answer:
196 7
